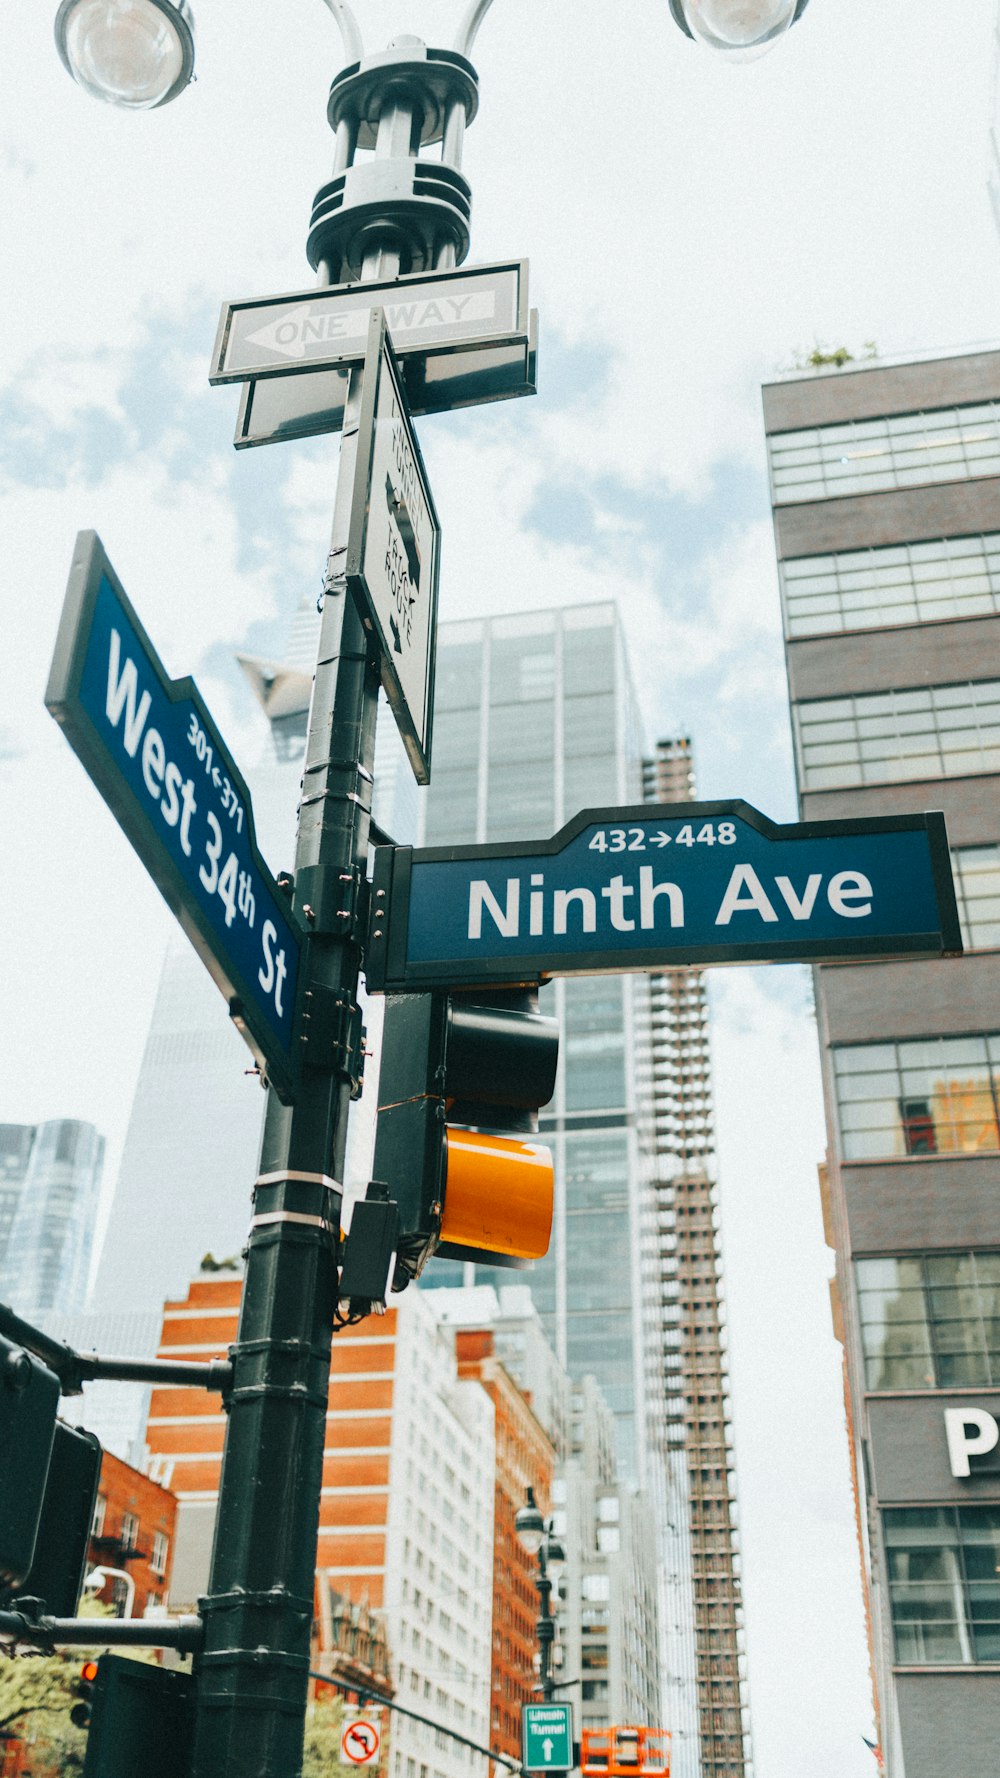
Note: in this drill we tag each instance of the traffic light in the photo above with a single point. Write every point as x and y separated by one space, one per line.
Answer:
461 1081
141 1718
60 1558
83 1688
29 1398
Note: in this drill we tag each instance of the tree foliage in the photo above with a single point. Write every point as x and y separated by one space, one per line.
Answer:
36 1696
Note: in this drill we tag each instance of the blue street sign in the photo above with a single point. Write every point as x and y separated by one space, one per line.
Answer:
660 886
151 747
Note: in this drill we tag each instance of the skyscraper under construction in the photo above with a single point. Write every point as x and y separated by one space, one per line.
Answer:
687 1266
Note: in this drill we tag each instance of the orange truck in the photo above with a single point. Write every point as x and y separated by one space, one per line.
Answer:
625 1751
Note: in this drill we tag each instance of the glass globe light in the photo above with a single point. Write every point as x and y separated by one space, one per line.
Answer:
133 53
739 29
530 1526
555 1558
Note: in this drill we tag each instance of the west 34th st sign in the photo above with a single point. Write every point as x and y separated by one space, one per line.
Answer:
660 886
154 752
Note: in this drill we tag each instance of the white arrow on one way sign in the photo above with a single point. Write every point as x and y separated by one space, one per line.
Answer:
313 328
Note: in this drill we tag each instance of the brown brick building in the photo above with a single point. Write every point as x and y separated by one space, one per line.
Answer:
133 1530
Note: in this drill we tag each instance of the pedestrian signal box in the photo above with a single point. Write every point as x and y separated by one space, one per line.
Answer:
624 1751
462 1078
29 1399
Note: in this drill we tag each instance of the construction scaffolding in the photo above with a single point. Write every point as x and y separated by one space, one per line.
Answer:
691 1392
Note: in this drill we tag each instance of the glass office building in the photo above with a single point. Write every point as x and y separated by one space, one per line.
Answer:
45 1260
535 719
886 496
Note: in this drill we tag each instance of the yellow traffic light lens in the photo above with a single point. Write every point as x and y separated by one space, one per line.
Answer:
498 1194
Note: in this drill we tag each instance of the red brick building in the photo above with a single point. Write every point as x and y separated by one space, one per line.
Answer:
133 1531
524 1458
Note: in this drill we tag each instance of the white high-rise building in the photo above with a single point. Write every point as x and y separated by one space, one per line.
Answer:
438 1601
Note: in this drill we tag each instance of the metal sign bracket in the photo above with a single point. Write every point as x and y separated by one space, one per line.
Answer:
335 901
332 1034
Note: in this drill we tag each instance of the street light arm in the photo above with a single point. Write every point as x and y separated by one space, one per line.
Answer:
469 27
350 33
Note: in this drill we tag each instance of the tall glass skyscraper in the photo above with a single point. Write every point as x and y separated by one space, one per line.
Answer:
15 1153
45 1258
535 719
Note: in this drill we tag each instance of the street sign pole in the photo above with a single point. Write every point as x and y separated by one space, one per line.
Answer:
253 1671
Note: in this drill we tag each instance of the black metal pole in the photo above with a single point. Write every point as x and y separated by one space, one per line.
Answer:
184 1633
545 1627
76 1368
252 1674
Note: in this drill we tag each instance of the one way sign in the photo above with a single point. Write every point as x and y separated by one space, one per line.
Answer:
547 1737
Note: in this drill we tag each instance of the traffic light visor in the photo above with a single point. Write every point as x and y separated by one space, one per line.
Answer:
498 1194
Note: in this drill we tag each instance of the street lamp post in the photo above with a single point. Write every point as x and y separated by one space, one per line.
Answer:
538 1539
98 1577
394 214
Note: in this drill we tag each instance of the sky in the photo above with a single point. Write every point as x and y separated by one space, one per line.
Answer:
693 229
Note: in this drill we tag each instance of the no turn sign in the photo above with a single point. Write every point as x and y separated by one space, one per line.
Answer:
359 1743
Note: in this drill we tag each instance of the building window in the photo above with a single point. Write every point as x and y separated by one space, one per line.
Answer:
596 1587
899 451
130 1531
934 731
932 1322
936 1095
158 1560
592 1053
944 1583
976 870
97 1522
906 583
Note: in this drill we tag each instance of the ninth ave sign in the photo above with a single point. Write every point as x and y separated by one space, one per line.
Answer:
658 886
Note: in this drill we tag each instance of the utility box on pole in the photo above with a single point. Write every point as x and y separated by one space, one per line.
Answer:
29 1398
56 1574
141 1720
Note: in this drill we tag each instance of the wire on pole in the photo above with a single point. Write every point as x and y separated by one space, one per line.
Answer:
361 1692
